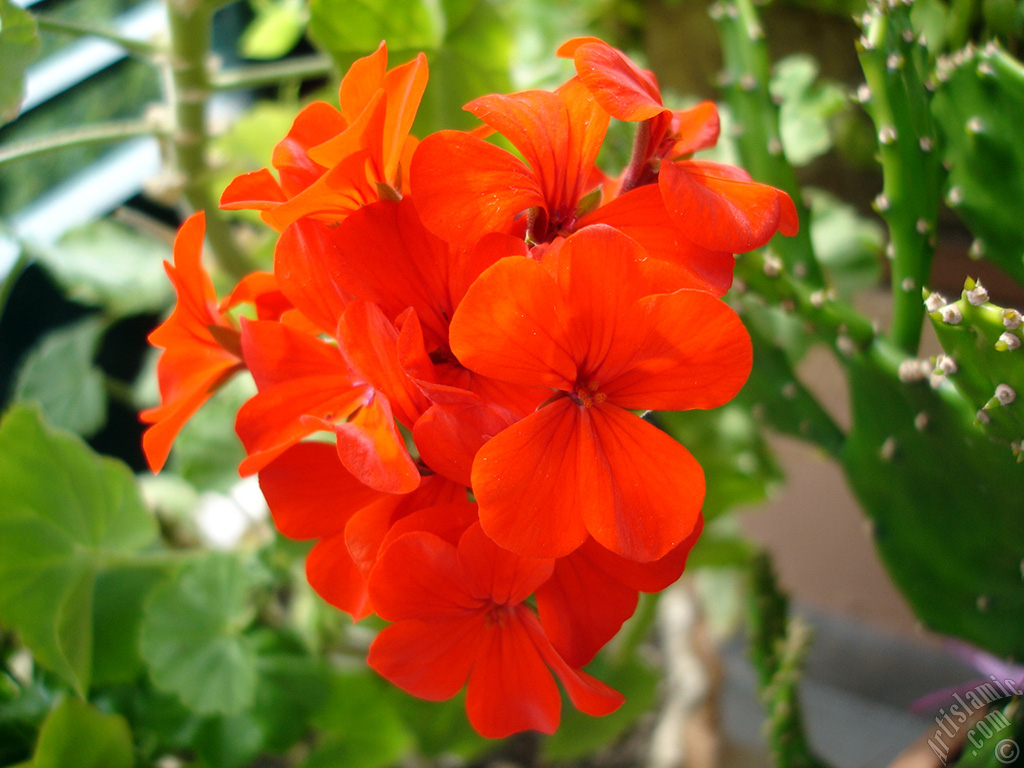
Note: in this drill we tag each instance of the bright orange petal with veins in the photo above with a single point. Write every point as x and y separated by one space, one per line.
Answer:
372 449
532 480
510 687
465 188
559 135
692 130
304 264
194 363
497 574
310 493
361 81
676 352
657 487
623 90
418 576
315 124
404 86
511 326
336 578
256 191
582 606
641 214
429 660
719 208
449 435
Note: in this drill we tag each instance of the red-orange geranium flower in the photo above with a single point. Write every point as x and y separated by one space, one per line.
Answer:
312 496
584 323
465 188
201 347
717 206
332 163
460 620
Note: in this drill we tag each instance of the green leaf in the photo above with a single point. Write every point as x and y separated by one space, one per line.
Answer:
473 60
110 265
191 637
116 618
360 726
347 30
277 28
66 512
60 376
805 108
848 245
76 735
19 44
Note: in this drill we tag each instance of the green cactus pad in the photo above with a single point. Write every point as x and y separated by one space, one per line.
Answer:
986 346
945 504
979 109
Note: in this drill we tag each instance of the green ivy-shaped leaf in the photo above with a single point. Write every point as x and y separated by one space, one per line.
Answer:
77 735
60 376
277 28
110 265
19 44
346 30
66 513
191 636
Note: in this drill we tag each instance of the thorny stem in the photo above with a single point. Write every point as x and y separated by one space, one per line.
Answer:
92 134
745 55
140 48
834 320
189 24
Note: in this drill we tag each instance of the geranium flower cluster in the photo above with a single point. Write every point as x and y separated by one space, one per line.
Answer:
451 354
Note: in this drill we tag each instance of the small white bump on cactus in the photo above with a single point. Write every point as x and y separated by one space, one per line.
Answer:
817 299
882 203
925 143
984 603
975 125
748 82
977 295
982 418
863 93
923 226
1011 319
890 252
845 346
955 196
789 390
888 450
946 364
908 284
894 61
977 249
1007 341
887 135
1005 394
774 146
951 314
935 301
921 421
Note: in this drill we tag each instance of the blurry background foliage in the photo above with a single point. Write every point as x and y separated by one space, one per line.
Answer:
131 631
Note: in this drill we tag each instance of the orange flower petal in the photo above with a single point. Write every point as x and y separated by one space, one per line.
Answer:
657 487
510 326
336 578
532 481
